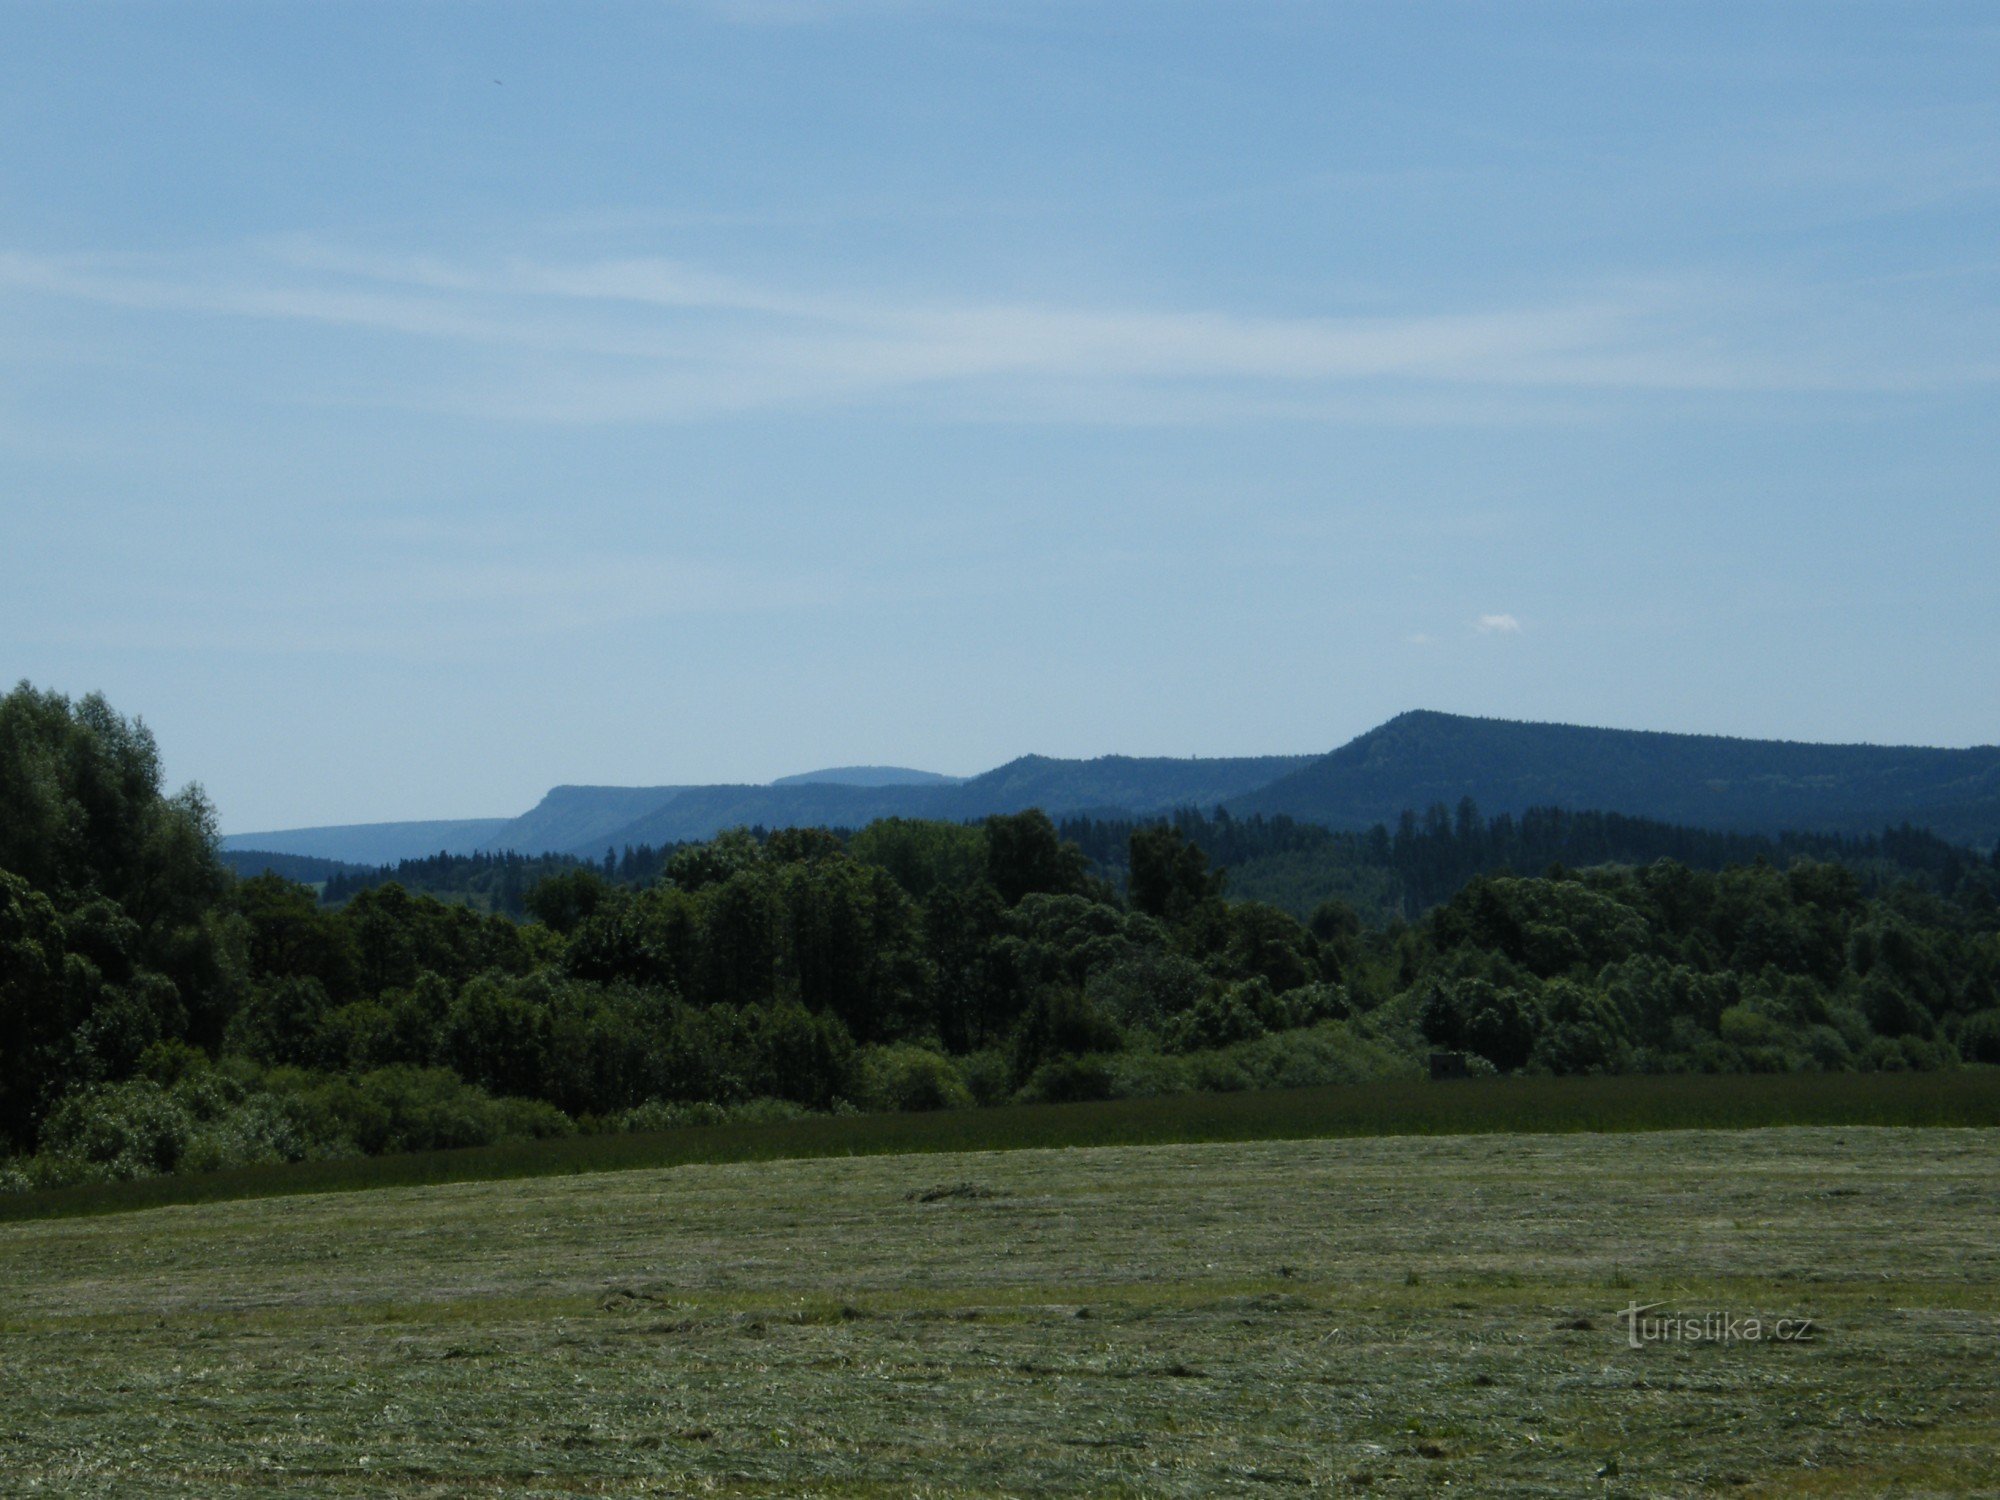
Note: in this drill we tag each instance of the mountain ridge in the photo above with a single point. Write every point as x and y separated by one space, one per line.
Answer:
868 776
1704 781
1408 763
373 843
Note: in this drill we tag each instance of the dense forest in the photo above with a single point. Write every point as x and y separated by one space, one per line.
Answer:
159 1014
1385 876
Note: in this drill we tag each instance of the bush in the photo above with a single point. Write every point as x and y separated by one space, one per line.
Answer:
1061 1022
1742 1026
258 1132
135 1129
1979 1037
412 1109
1070 1080
907 1077
989 1075
1331 1052
1221 1019
205 1121
660 1114
1826 1050
1149 1075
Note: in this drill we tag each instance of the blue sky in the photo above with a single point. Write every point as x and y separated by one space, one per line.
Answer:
407 407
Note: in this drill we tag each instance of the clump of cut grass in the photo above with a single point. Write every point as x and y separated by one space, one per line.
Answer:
947 1192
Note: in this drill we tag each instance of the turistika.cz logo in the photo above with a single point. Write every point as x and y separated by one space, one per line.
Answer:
1643 1325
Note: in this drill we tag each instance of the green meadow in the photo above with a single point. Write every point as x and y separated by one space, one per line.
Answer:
1399 1314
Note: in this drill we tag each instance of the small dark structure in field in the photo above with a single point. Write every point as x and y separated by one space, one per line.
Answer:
1448 1065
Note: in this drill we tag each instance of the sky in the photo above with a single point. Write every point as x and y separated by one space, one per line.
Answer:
405 408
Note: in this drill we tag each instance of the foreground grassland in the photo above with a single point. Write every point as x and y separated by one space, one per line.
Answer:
1395 1315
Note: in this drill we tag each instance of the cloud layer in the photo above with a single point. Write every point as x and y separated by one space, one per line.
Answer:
656 340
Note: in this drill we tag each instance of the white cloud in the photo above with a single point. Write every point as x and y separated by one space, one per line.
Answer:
1497 625
652 339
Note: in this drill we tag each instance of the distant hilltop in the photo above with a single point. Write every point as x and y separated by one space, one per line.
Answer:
869 776
1412 762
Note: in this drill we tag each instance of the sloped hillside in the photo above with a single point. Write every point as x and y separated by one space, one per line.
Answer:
1111 782
572 818
373 843
1706 781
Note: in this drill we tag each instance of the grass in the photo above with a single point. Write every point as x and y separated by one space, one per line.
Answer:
1395 1315
1966 1097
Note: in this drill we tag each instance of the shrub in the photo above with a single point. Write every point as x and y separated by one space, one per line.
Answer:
907 1077
412 1109
660 1114
1149 1075
1069 1080
1221 1019
1979 1037
989 1075
1061 1022
134 1129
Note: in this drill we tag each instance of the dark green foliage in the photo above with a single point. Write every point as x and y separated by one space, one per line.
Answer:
411 1109
1477 1016
1426 860
1026 857
925 859
974 975
307 869
85 813
1061 1022
500 882
563 902
111 937
905 1077
1169 876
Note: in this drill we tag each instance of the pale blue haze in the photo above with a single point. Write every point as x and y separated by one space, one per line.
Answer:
408 407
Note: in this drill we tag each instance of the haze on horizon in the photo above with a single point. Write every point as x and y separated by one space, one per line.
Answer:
406 409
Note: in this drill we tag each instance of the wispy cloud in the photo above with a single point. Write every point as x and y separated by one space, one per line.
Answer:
431 605
1497 625
654 339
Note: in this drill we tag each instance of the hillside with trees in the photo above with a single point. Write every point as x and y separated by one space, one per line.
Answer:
375 843
1705 781
585 820
157 1015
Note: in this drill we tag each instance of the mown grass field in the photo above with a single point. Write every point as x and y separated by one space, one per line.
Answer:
1400 1315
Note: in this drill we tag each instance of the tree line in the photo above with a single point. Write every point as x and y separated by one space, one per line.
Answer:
157 1014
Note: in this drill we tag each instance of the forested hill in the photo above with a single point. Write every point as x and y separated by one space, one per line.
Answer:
588 820
1135 784
1706 781
373 843
572 818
